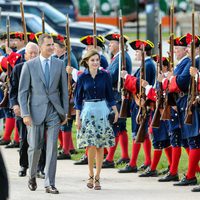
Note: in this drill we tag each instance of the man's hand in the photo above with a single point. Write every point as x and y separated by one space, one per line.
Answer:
8 50
69 69
16 110
65 121
123 74
193 71
144 83
27 121
160 78
170 74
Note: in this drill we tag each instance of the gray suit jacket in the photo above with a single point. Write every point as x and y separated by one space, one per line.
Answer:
33 94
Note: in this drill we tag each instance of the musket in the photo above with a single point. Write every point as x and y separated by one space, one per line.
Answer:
4 102
8 30
159 104
192 87
166 114
125 106
23 22
94 28
68 42
43 23
0 19
69 80
142 111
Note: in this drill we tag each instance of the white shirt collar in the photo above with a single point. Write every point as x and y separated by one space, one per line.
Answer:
146 58
182 59
42 59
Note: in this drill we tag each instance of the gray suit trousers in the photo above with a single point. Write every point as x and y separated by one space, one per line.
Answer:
36 137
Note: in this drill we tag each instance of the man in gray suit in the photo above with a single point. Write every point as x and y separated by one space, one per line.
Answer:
43 100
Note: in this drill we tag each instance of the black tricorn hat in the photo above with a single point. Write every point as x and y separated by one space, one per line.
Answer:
89 40
32 37
116 37
139 44
18 35
165 60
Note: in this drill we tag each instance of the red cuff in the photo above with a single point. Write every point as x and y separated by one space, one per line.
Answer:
79 73
199 84
152 94
12 58
165 84
130 84
173 87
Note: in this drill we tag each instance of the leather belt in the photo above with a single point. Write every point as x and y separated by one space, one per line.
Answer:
94 100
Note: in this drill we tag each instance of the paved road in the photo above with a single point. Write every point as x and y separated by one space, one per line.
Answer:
72 185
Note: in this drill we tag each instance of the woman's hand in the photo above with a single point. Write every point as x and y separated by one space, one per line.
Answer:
78 123
116 117
116 114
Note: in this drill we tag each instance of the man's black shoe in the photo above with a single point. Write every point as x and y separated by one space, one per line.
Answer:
4 142
196 189
32 185
40 174
22 171
82 161
52 190
185 182
123 161
108 164
143 167
13 144
128 169
149 173
169 177
73 151
63 156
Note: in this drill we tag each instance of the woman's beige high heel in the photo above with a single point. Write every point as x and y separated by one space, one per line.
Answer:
97 185
90 183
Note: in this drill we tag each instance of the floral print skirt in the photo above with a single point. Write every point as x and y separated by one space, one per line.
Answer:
95 127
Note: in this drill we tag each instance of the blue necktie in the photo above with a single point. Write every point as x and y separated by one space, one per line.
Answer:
47 72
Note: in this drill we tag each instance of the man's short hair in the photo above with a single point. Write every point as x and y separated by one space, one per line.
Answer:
42 37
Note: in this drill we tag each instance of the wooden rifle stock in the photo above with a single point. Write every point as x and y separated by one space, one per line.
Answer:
70 88
23 22
156 117
142 111
94 28
43 23
166 114
192 92
125 106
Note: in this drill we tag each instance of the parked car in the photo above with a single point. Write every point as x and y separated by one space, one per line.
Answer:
64 6
33 23
52 16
